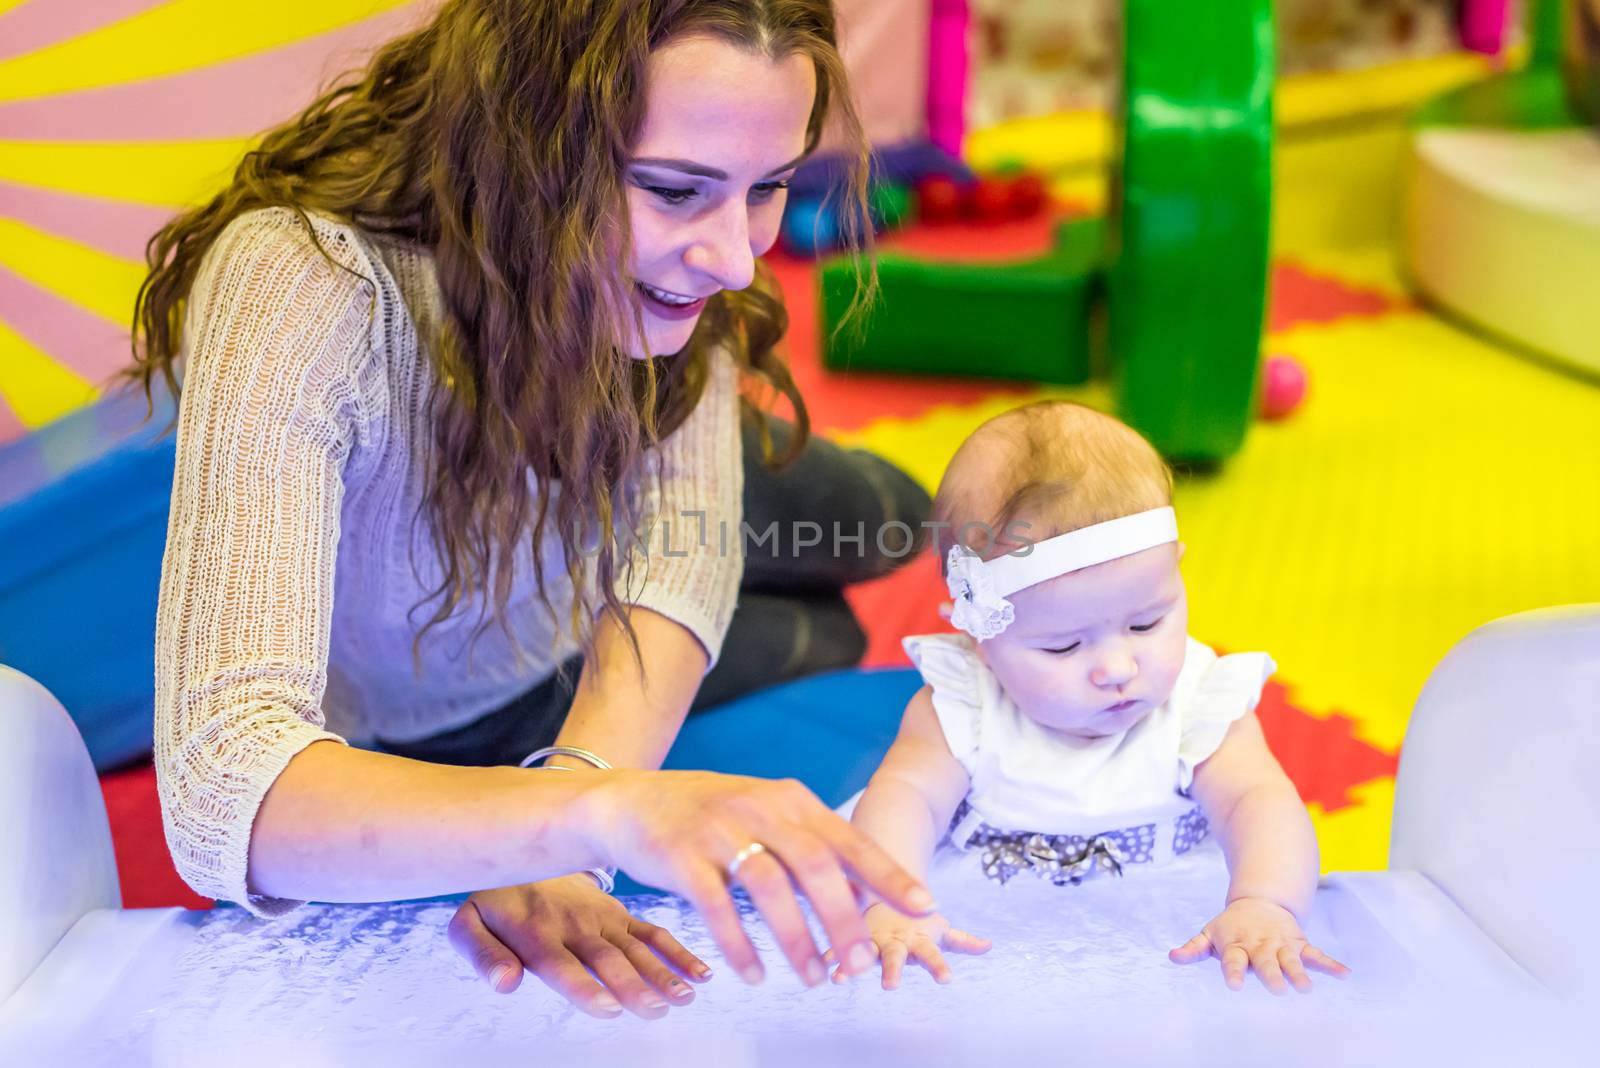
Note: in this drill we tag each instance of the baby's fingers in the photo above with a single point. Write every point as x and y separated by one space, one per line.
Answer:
1323 963
959 941
928 955
1268 970
1289 958
893 956
1197 948
1235 962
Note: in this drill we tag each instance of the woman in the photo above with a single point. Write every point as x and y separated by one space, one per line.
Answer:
462 355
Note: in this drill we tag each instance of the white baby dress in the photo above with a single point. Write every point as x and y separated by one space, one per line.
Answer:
1060 806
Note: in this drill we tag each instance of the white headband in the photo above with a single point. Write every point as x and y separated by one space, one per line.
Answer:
980 587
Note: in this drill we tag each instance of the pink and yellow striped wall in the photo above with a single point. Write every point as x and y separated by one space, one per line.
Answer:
113 114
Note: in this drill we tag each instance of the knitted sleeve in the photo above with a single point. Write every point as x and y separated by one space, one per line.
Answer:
266 421
688 564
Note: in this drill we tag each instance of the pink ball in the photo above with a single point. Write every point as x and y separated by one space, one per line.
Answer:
1283 386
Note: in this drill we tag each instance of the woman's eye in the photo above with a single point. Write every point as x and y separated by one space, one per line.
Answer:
1063 651
669 194
767 190
1143 627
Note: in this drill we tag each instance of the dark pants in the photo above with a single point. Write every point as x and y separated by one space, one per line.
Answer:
792 618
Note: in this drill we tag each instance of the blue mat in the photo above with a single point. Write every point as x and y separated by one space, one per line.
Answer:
83 524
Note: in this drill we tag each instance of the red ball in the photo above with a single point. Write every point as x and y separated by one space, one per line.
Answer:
1028 195
1283 386
938 198
990 200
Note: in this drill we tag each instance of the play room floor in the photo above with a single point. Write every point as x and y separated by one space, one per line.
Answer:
1431 482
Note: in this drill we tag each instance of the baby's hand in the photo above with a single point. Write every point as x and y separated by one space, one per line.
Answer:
1259 934
898 936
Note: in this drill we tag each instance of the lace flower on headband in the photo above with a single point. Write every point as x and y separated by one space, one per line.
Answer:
979 609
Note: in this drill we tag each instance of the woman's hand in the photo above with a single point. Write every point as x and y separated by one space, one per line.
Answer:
899 937
1255 933
562 930
681 830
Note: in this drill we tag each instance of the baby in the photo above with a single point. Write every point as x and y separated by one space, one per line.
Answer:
1075 727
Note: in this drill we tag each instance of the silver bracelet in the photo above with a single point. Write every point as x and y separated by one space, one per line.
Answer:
565 750
605 878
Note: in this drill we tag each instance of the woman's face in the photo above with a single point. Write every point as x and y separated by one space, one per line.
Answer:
723 132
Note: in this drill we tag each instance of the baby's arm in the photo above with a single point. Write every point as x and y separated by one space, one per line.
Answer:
906 809
908 804
1259 818
1272 865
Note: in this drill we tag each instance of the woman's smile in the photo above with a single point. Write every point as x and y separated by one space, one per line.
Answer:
670 305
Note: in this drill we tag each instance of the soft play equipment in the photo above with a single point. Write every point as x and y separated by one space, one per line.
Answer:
70 875
1044 305
83 523
1484 915
1501 217
1184 259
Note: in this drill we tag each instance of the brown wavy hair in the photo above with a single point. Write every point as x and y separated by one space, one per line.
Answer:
497 137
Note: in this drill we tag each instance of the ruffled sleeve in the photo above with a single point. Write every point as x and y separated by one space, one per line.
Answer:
1229 690
951 667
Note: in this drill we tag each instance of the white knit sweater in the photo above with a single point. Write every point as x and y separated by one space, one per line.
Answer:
289 576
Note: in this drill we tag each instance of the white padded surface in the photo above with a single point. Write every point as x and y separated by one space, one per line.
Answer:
1081 971
56 861
1453 960
1498 794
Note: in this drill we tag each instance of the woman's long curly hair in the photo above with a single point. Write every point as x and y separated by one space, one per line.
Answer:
497 137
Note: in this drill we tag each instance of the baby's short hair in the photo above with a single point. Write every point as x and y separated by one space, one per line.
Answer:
1045 469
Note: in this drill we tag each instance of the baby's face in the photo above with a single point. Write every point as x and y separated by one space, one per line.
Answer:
1092 652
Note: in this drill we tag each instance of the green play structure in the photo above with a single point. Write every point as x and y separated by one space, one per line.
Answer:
1180 265
1559 87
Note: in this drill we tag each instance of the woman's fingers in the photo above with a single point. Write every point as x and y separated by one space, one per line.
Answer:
562 972
621 976
872 866
1323 963
1293 969
1235 962
894 962
670 950
491 958
709 895
815 869
655 972
768 884
682 831
1197 948
959 941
